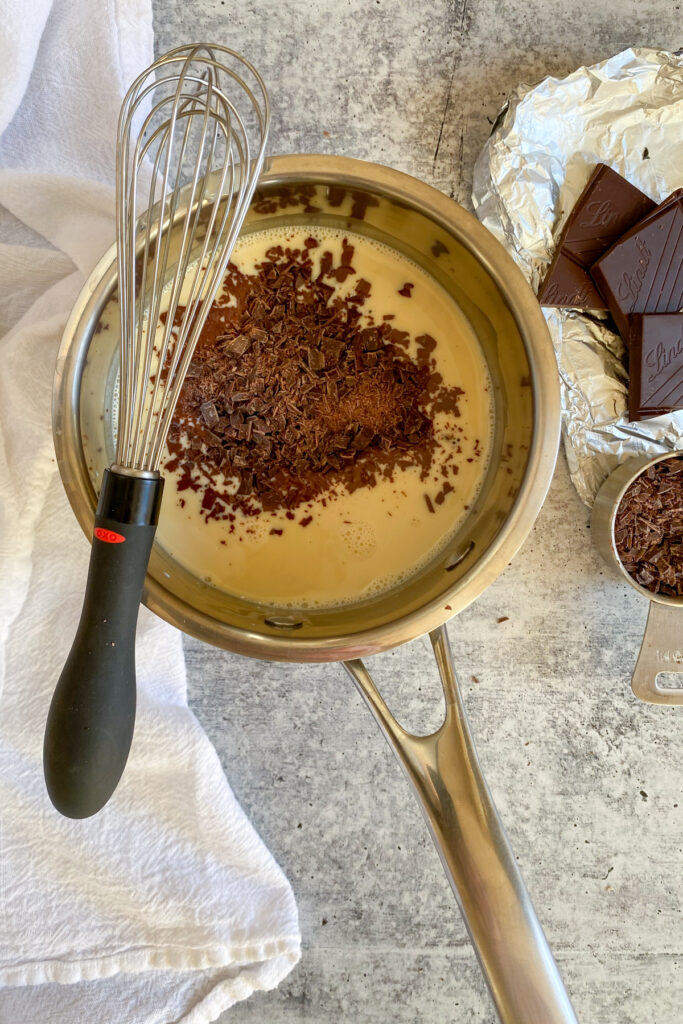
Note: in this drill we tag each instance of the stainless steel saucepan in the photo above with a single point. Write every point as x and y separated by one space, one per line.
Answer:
442 768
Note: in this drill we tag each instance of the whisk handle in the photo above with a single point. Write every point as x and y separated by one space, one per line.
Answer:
90 723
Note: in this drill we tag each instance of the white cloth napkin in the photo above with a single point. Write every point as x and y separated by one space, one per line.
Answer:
166 906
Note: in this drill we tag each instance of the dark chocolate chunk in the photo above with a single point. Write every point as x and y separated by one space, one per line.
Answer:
643 271
608 206
439 249
568 284
664 205
209 413
656 364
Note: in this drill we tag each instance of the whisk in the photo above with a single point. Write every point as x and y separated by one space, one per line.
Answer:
183 141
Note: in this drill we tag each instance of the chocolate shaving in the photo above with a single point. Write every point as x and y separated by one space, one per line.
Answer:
209 414
439 249
648 528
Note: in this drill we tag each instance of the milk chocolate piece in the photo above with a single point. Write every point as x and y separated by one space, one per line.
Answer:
656 364
643 271
608 206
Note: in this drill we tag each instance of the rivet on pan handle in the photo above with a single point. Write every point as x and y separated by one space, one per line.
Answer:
443 768
664 625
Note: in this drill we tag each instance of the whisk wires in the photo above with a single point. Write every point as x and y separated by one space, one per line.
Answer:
203 117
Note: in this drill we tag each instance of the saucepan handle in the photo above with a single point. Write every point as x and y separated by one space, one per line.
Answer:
519 968
661 651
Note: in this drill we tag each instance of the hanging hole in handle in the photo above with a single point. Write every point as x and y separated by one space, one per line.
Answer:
408 681
669 680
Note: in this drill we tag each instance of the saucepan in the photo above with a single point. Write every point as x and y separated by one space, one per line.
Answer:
443 769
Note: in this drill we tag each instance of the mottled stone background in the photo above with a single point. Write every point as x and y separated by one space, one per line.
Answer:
587 780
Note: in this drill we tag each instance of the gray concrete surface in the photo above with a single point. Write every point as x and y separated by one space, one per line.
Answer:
587 780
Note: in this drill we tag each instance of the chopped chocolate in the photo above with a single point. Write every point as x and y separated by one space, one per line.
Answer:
237 346
209 414
335 195
439 249
291 394
361 202
648 528
347 253
406 289
655 364
608 206
643 271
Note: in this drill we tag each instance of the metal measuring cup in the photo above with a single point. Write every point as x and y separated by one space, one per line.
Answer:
662 647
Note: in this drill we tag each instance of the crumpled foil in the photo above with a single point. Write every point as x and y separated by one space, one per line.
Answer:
626 112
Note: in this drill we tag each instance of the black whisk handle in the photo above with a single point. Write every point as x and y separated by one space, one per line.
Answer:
90 723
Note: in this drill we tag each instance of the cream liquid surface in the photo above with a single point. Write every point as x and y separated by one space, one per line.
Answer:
362 543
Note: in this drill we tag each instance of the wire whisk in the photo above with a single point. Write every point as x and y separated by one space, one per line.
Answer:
198 113
191 144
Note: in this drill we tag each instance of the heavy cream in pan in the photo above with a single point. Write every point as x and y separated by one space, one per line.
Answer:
343 545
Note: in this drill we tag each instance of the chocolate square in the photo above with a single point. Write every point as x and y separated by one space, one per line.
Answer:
569 284
608 206
643 271
655 364
664 205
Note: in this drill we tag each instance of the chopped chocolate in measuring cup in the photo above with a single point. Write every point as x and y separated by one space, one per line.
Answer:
648 528
291 394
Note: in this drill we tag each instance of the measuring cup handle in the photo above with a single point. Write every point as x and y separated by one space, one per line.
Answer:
522 976
661 651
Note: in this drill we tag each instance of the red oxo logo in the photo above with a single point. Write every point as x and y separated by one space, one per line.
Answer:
109 536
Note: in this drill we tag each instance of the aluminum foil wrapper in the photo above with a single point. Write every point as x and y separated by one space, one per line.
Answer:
626 112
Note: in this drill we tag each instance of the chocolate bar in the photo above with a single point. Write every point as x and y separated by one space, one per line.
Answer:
608 206
655 364
643 271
